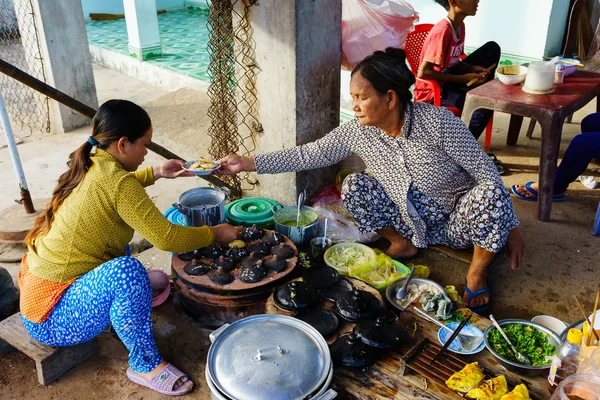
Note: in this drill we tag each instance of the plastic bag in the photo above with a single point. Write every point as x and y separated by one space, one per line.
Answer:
379 272
370 25
341 226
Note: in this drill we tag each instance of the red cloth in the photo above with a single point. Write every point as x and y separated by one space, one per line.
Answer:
442 50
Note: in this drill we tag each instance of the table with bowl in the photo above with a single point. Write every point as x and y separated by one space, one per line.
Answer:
550 110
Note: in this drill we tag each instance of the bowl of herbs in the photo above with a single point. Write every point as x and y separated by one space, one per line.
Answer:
535 341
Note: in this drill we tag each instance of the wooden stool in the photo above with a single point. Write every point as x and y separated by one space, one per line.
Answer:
50 362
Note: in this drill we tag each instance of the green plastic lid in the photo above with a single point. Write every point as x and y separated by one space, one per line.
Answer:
252 210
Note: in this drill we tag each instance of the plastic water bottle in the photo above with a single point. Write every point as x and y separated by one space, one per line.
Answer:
566 359
559 73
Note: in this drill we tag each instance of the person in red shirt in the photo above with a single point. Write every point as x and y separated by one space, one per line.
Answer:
440 61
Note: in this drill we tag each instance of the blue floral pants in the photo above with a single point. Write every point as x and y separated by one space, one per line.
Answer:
117 292
482 217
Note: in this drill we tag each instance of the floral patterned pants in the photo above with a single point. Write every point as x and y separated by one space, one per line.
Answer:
482 217
116 292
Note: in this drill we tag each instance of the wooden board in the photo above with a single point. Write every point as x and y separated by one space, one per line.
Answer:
51 362
384 379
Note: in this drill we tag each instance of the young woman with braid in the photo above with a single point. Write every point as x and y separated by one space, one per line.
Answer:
76 278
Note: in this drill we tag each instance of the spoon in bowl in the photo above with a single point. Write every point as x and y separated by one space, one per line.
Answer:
520 356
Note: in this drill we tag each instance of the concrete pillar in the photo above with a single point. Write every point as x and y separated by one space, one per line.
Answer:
298 53
66 57
142 29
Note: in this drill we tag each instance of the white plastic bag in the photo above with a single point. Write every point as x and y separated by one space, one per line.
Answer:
342 228
370 25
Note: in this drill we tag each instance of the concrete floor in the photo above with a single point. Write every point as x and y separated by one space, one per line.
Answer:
561 259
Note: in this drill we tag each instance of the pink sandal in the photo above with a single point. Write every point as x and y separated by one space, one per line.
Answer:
164 381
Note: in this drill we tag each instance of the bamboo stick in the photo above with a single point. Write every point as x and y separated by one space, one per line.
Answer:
585 316
488 69
589 338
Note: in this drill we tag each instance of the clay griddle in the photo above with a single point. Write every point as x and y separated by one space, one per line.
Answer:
203 282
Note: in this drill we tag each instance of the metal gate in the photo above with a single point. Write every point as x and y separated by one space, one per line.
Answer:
19 46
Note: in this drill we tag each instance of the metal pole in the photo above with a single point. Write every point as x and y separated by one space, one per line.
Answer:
14 155
89 112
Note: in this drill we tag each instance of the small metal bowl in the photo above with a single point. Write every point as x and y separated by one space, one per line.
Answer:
522 369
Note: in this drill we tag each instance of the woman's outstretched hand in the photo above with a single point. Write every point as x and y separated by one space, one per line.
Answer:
225 233
231 165
170 169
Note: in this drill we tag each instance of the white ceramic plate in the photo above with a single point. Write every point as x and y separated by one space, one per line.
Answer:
444 335
199 172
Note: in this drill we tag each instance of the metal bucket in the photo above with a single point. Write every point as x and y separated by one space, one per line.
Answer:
203 206
284 216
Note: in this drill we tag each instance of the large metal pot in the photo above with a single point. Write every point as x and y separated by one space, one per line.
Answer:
284 216
269 357
203 206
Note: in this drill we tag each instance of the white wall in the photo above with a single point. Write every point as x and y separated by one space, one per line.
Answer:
116 6
531 28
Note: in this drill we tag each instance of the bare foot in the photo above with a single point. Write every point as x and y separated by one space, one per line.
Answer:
149 375
523 190
401 249
476 282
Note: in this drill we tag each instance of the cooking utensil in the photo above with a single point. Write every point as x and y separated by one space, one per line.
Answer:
451 339
203 206
519 368
301 197
402 293
586 317
415 350
254 358
378 333
285 219
349 351
520 356
591 328
325 232
553 60
563 61
488 69
390 292
467 342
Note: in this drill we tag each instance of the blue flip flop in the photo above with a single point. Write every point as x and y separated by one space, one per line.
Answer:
481 309
513 189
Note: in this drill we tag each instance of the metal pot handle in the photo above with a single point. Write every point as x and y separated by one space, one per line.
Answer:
328 395
276 207
226 191
213 336
181 208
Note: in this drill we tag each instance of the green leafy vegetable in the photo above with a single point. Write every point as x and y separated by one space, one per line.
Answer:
526 339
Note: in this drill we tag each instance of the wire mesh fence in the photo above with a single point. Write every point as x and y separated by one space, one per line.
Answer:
19 46
232 70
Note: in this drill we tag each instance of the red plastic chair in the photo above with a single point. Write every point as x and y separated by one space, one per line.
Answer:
412 48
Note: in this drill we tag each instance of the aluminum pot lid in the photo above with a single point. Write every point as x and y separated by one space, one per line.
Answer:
269 357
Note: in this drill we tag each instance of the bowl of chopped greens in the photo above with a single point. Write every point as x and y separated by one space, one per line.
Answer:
536 341
342 256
